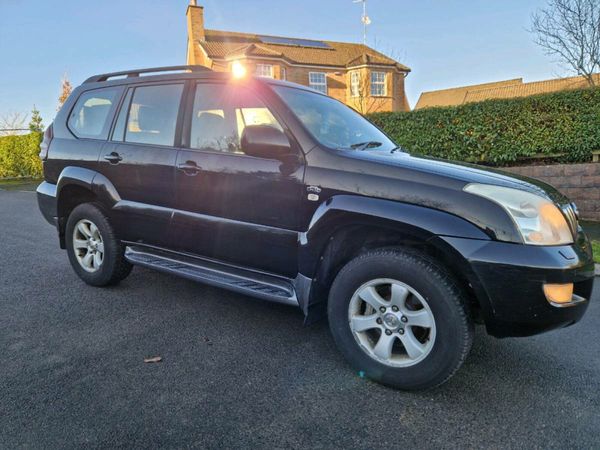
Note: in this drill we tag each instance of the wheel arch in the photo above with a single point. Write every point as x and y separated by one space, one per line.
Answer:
345 227
77 185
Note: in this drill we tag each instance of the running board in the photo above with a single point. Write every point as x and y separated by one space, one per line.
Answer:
249 282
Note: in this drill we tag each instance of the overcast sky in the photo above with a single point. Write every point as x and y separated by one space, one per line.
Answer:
446 42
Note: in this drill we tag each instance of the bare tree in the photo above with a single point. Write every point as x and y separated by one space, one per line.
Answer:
66 89
12 123
570 30
361 98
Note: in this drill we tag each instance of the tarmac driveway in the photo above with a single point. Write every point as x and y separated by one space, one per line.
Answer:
243 373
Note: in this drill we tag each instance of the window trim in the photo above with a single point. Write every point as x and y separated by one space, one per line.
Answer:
382 83
352 93
263 65
110 118
311 85
113 126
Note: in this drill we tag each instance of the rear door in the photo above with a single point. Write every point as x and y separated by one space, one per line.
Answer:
231 206
140 161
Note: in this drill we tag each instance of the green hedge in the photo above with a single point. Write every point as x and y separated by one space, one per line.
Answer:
19 156
500 132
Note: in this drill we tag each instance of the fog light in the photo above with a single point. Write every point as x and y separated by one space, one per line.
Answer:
559 293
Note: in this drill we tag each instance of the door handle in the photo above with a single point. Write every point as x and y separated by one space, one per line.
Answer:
189 168
113 158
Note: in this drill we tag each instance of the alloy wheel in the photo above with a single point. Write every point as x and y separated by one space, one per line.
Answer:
392 322
88 245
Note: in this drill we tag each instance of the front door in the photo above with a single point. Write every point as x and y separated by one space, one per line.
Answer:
140 162
231 206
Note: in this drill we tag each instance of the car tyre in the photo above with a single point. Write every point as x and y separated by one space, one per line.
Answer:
418 344
95 253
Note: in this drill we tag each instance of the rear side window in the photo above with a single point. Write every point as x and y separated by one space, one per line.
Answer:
89 117
152 114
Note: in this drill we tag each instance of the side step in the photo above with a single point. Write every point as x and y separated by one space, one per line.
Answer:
249 282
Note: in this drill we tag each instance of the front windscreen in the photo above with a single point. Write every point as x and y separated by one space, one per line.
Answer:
332 123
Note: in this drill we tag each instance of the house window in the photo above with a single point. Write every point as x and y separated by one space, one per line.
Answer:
318 81
264 70
283 73
354 84
378 84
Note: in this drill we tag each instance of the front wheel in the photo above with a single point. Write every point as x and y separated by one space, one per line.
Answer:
400 318
95 253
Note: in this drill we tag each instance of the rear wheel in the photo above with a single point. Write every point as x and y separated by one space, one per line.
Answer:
95 253
400 318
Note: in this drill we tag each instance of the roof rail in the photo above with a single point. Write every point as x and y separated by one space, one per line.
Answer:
136 73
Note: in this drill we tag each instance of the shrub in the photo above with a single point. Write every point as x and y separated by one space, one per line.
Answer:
19 156
500 132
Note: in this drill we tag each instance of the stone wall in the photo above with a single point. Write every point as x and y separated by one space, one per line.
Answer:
579 182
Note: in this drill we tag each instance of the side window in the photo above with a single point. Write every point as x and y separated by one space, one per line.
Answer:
153 114
119 131
90 114
221 112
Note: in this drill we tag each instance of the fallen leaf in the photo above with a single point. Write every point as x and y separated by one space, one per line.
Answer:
154 359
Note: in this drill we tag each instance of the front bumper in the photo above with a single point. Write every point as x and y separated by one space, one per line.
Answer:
508 280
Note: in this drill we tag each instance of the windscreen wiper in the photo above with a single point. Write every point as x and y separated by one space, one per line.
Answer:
365 145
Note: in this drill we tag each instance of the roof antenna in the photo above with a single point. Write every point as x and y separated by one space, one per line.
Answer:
364 19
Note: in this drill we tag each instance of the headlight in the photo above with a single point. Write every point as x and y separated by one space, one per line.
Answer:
538 220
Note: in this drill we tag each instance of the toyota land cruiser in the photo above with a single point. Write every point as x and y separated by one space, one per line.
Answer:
276 191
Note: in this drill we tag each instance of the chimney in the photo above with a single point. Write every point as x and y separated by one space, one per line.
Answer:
195 22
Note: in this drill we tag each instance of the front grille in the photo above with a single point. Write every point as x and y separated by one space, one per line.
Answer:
571 216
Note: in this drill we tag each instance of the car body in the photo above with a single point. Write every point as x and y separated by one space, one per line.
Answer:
282 227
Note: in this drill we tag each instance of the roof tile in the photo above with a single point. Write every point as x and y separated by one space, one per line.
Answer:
228 44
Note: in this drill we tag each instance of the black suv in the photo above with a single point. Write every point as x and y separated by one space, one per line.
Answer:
279 192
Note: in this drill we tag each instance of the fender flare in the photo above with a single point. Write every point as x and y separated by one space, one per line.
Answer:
88 179
420 222
343 210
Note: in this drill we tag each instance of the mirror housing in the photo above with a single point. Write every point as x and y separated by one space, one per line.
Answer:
264 141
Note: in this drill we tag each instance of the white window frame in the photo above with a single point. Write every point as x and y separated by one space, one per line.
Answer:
319 85
264 70
379 83
283 73
355 83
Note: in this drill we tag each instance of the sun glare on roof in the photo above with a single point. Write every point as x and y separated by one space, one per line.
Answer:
293 42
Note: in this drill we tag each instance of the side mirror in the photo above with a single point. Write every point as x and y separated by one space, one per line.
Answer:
264 141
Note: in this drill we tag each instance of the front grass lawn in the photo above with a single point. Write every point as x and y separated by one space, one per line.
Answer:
19 184
596 249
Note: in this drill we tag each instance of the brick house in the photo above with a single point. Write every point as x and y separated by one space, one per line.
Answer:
355 74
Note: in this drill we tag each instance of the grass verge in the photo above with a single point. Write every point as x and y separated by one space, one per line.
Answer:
596 250
19 184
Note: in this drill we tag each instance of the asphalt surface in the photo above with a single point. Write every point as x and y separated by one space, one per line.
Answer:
240 373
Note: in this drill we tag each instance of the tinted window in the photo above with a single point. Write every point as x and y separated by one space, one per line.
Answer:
90 115
153 114
332 123
221 112
119 131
